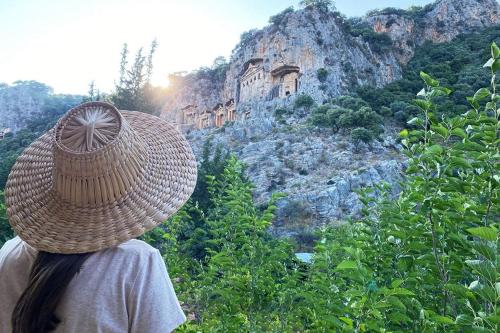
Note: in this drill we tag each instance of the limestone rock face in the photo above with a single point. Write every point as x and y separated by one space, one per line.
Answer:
438 22
273 65
467 14
317 169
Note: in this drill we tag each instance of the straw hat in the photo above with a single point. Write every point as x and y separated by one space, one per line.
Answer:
98 178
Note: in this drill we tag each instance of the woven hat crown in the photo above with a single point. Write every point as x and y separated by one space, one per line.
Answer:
97 156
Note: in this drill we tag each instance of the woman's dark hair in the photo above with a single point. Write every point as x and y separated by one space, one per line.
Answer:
50 275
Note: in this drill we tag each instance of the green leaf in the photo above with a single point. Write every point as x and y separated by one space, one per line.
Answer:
477 329
474 285
443 320
415 121
495 51
493 319
485 250
398 317
473 102
481 94
396 283
440 129
460 162
490 106
459 132
486 233
346 320
429 80
399 291
457 289
444 90
483 267
470 145
346 264
423 104
434 150
489 63
495 66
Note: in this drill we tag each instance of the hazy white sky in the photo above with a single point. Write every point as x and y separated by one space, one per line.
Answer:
68 43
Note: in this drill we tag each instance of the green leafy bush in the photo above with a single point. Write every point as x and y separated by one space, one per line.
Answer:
346 113
385 111
303 101
423 261
322 74
323 5
280 112
6 231
379 41
361 134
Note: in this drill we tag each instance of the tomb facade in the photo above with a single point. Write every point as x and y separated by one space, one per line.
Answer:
257 81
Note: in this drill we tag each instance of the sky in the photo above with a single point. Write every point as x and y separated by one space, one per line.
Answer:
69 43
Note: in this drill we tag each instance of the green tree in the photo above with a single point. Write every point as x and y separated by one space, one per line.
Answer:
6 232
324 5
361 134
238 288
134 90
424 260
303 101
322 74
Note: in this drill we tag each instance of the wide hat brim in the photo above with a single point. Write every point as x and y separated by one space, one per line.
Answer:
50 224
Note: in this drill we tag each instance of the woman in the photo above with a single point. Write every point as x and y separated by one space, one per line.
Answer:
77 197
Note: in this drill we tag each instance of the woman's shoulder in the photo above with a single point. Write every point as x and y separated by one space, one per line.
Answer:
128 256
133 247
16 246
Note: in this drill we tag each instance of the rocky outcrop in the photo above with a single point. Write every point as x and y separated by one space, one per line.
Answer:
21 102
317 169
438 22
285 59
317 53
447 18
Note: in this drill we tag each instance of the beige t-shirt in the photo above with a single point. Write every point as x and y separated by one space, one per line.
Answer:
121 289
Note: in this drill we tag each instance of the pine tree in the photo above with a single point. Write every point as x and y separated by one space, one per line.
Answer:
134 91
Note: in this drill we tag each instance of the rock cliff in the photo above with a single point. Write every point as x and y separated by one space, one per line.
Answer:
322 54
285 59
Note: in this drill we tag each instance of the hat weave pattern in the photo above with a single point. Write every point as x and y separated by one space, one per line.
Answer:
98 178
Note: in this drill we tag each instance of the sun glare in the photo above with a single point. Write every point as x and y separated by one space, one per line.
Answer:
160 81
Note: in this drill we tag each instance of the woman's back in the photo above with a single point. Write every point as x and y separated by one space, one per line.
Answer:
125 288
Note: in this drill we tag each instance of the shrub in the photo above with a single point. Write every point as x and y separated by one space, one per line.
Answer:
323 5
303 101
338 117
296 213
319 116
349 102
6 232
361 134
306 240
322 74
425 260
246 38
385 111
279 18
280 112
